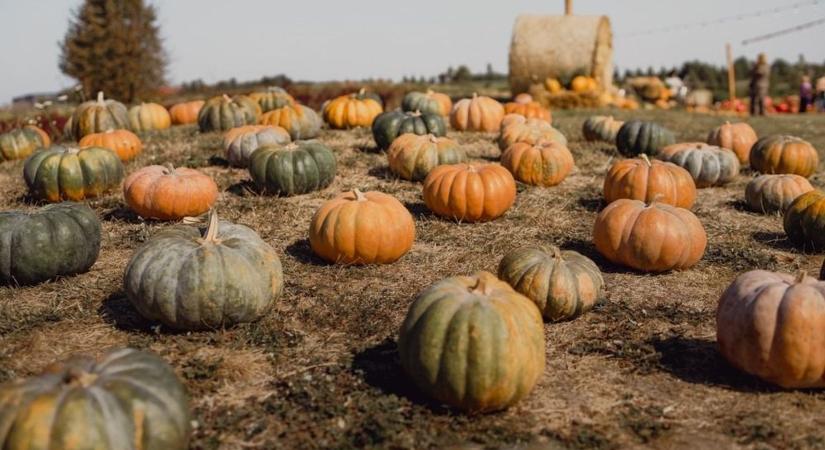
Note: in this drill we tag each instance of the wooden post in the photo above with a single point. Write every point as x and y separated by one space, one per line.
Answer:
731 73
568 7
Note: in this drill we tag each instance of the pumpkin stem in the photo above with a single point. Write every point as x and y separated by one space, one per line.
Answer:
481 287
556 252
226 98
78 377
430 91
656 199
212 228
170 169
475 94
100 96
359 196
362 90
433 138
416 113
646 159
800 276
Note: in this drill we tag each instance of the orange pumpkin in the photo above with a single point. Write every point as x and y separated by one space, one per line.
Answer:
352 111
47 140
528 131
168 193
479 113
123 142
412 157
301 122
582 84
542 164
784 154
362 228
646 180
149 117
524 105
469 192
775 193
738 137
553 85
185 113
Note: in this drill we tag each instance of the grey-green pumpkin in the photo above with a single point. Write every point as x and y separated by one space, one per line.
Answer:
19 144
636 137
55 240
273 97
708 165
391 124
97 116
223 113
601 128
296 168
66 173
191 279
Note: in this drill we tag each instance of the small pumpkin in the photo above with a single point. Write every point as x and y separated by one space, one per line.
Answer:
479 113
222 113
19 144
429 102
273 97
99 115
473 343
352 111
601 128
294 168
524 105
804 220
225 274
563 284
241 142
784 154
636 137
469 192
362 228
655 237
66 173
553 85
582 84
530 131
186 113
412 157
47 140
542 164
124 143
149 117
774 193
391 124
301 122
738 137
646 180
169 193
707 164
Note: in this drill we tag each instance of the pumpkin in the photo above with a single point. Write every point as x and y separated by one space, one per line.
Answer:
429 102
59 239
542 164
149 117
225 274
524 105
19 144
352 111
636 137
805 220
391 124
774 193
784 154
582 84
186 113
553 85
646 180
738 137
99 115
126 399
294 168
772 325
473 343
47 140
67 173
469 192
479 113
601 128
241 142
169 193
530 131
655 237
412 157
272 98
708 165
361 228
222 113
124 143
301 122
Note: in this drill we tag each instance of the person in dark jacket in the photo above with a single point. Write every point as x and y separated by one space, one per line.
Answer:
806 94
760 82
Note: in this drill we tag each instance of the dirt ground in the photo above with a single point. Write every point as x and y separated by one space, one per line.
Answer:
321 369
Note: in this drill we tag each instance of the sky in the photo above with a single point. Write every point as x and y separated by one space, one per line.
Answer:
327 40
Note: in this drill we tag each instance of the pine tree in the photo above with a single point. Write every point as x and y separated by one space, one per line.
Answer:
114 46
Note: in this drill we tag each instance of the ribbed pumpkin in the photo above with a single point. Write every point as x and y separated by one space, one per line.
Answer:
44 137
124 143
772 325
19 144
225 274
412 157
469 192
707 164
601 128
272 98
531 131
646 180
391 124
563 284
126 399
650 238
241 142
429 102
473 343
186 113
784 154
352 111
479 113
222 113
542 164
524 105
582 84
636 137
774 193
56 240
301 122
149 117
96 116
66 173
805 221
738 137
168 193
362 228
294 168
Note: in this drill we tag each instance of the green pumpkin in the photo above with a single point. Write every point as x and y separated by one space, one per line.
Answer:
295 168
127 399
636 137
223 275
67 173
391 124
273 97
804 221
56 240
424 103
223 113
709 165
601 128
97 116
19 144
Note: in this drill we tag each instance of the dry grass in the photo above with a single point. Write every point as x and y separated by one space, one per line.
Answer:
320 370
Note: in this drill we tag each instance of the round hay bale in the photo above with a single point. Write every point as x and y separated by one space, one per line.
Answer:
560 47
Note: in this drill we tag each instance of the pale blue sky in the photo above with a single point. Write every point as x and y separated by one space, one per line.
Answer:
324 40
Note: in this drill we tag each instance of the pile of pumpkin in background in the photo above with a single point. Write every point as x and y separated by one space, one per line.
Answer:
647 226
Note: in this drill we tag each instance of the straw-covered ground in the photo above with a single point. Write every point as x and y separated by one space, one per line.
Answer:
321 369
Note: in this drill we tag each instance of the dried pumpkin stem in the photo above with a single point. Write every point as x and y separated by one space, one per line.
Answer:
212 229
361 91
433 138
75 376
170 169
359 196
226 98
646 159
481 287
556 252
800 276
100 96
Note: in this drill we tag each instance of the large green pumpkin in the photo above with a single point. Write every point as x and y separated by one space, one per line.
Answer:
427 103
601 128
59 239
97 116
636 137
19 144
66 173
223 275
127 399
273 97
223 113
391 124
295 168
473 343
708 165
804 221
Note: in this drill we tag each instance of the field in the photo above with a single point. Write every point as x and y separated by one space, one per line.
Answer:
321 370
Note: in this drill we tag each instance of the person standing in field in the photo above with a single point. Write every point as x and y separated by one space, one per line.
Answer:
760 82
806 94
820 94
